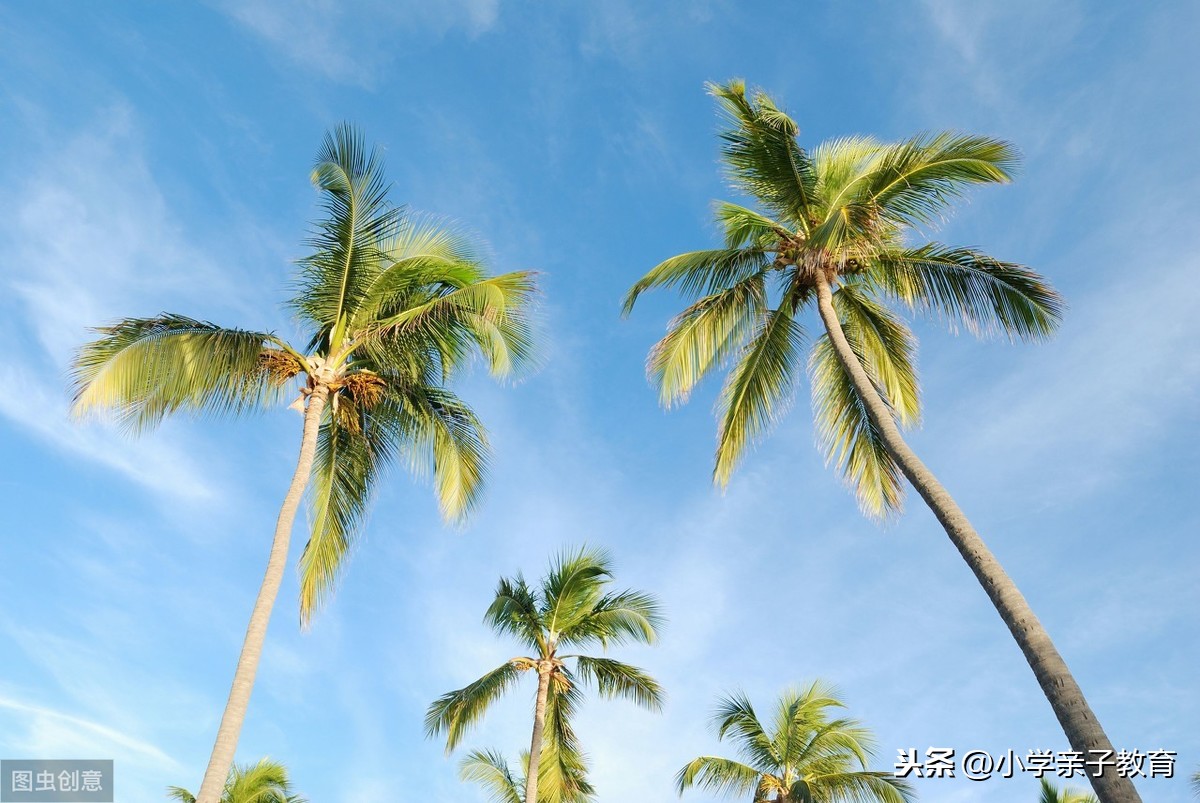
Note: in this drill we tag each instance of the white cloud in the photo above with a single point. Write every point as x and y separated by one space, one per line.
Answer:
351 42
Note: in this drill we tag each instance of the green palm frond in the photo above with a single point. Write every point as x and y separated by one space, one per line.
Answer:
884 345
573 586
1049 794
456 712
859 786
759 388
850 439
762 156
703 336
449 440
912 182
266 781
144 369
347 246
514 611
491 314
735 716
700 273
616 679
718 775
489 769
745 227
967 287
617 618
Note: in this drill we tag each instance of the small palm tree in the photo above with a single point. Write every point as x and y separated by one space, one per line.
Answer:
1053 795
264 782
808 756
490 770
394 307
834 232
572 608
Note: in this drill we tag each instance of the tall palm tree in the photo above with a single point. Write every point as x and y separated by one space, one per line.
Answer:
1052 795
490 770
264 782
833 228
394 307
807 756
573 608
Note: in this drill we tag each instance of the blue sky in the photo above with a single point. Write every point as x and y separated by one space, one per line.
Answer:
155 157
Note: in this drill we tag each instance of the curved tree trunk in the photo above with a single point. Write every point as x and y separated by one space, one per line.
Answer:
1078 722
256 633
539 725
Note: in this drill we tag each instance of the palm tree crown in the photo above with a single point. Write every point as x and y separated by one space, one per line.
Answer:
805 756
394 306
840 213
571 608
264 782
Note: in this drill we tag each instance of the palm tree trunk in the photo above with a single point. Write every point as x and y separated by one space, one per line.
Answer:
1078 722
256 633
539 725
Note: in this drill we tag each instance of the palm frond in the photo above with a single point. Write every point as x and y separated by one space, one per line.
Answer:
456 712
968 287
703 336
759 388
860 786
447 438
489 769
884 345
515 611
745 227
850 439
717 775
143 369
616 679
616 618
492 314
573 586
912 182
347 245
735 716
180 794
700 273
762 156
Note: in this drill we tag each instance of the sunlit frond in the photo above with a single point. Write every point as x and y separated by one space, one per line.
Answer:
759 388
456 712
965 286
515 611
143 369
347 245
616 679
703 336
735 716
701 273
489 769
573 586
912 182
762 155
616 618
448 439
745 227
850 439
718 775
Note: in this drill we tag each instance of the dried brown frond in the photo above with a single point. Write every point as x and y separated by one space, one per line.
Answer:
278 364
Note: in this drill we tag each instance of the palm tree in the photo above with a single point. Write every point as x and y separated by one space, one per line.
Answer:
264 782
572 608
807 757
395 306
490 770
1052 795
832 229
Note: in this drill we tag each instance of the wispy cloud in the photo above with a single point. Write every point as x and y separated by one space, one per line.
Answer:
91 238
335 38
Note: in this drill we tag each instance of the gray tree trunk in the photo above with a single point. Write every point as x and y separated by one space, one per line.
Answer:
539 725
221 760
1066 698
